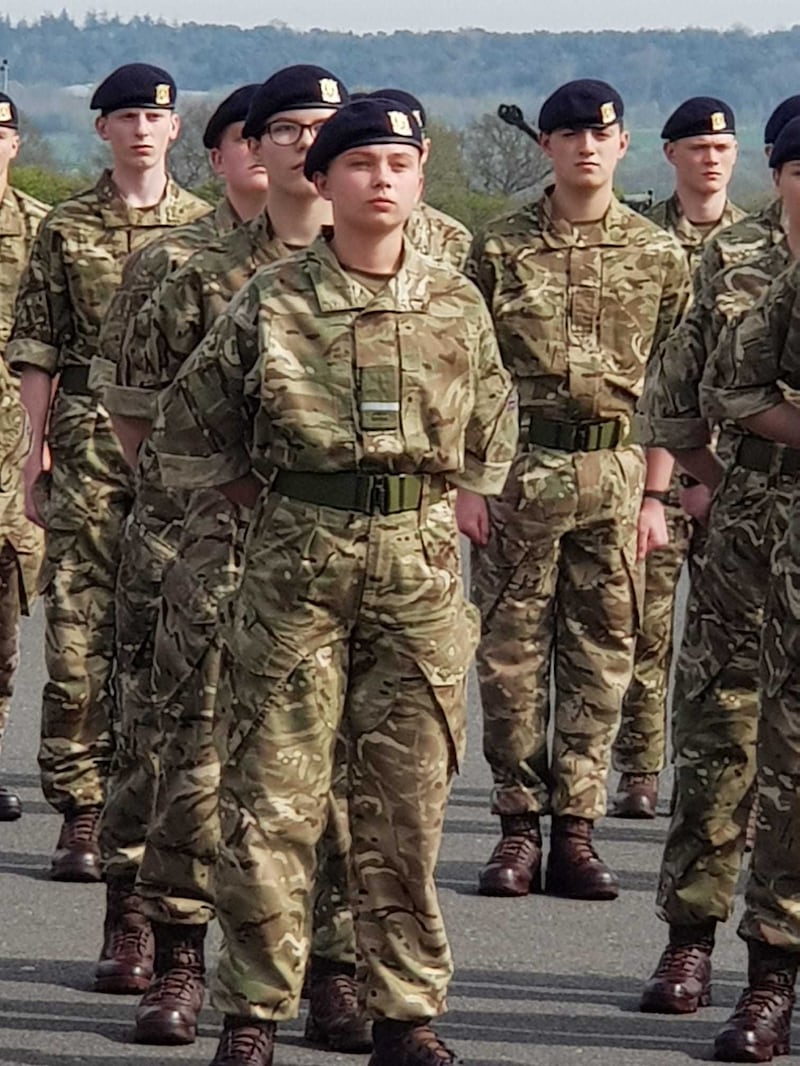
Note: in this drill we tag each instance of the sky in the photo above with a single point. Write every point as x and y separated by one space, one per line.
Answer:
511 16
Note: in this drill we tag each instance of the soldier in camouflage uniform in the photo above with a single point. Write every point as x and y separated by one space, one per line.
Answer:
431 231
351 613
76 264
130 791
21 541
581 289
700 142
715 706
198 538
751 387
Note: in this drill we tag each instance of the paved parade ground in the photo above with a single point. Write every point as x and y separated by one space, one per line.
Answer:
539 981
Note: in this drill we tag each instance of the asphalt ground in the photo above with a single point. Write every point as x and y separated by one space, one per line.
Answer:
539 981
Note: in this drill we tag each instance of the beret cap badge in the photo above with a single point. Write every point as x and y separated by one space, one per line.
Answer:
398 120
163 94
5 111
329 91
608 113
718 121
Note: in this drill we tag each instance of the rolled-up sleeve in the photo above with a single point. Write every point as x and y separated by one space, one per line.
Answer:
42 314
491 434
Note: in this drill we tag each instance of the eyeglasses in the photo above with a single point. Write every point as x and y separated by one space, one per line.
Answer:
285 132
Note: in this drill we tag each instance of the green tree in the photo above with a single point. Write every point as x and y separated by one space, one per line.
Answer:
46 185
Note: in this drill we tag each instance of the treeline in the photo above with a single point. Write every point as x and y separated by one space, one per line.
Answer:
652 69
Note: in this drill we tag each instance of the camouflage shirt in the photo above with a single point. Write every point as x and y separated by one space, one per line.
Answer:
671 415
692 238
309 370
765 355
739 242
171 326
444 239
20 216
578 309
75 266
125 328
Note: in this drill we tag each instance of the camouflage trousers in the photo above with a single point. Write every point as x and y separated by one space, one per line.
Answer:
89 497
557 591
356 626
772 896
640 747
9 629
715 707
138 732
160 821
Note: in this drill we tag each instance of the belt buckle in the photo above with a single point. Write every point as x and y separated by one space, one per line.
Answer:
582 435
377 494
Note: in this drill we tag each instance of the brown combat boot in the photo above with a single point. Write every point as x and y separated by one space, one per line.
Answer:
245 1042
408 1044
761 1024
77 857
681 981
167 1013
335 1019
574 869
126 960
514 868
637 796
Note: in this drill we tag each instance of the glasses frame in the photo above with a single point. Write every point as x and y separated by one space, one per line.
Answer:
312 127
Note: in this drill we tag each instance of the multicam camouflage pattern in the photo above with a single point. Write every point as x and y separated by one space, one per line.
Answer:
549 286
668 214
640 746
577 313
739 242
144 553
342 620
185 547
670 408
556 585
765 362
76 264
435 234
20 216
9 629
715 701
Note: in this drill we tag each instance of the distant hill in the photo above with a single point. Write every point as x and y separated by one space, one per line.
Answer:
54 62
652 69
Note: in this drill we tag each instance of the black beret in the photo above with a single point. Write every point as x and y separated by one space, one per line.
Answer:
410 101
786 110
579 105
9 116
234 108
786 148
365 122
135 85
293 89
698 116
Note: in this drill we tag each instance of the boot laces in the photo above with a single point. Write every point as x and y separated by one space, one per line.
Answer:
511 848
249 1040
177 983
628 780
342 995
677 958
132 937
80 828
437 1053
766 1000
